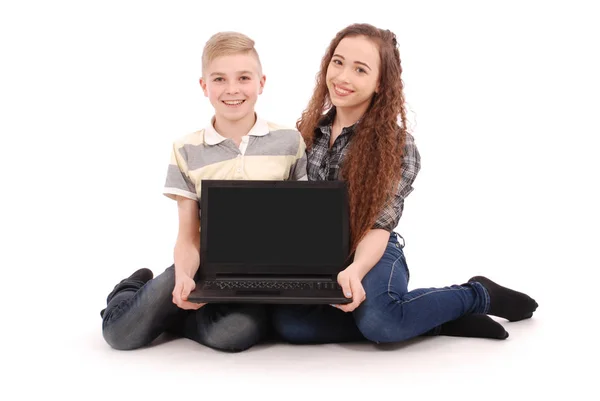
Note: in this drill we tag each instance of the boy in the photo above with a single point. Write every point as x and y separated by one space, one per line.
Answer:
235 145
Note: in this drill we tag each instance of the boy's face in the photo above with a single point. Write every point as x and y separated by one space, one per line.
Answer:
232 83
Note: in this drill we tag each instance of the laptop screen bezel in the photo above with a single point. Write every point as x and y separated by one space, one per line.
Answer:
209 271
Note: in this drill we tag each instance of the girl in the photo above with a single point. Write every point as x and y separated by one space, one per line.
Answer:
355 130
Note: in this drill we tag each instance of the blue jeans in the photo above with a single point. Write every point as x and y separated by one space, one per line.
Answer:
138 313
390 312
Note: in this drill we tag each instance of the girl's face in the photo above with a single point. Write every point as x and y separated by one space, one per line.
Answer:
353 73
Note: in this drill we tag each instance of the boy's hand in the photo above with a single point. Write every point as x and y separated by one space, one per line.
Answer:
183 286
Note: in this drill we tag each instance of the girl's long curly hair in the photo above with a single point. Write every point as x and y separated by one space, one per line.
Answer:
372 168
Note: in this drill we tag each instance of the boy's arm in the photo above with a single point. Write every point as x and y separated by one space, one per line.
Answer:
179 187
187 246
187 252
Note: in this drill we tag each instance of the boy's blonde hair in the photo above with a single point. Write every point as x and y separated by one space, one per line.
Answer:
227 43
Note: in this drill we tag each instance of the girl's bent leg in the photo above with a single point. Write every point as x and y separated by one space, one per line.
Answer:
391 314
314 324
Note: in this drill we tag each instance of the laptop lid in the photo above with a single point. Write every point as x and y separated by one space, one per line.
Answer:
273 228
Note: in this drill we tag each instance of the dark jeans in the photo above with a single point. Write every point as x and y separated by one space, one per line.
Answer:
138 313
390 312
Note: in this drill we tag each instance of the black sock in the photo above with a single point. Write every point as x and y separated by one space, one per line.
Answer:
475 325
506 303
142 275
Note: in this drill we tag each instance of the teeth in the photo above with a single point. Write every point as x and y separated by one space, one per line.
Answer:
233 103
342 91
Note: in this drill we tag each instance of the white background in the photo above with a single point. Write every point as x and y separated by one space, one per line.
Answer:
503 99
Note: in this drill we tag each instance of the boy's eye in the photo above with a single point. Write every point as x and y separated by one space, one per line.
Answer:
244 77
218 79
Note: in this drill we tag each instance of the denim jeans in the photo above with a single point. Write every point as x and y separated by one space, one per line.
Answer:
138 313
390 312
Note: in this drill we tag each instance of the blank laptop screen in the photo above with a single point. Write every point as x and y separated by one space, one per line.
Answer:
275 226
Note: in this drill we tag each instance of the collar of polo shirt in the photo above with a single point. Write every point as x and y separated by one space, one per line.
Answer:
212 137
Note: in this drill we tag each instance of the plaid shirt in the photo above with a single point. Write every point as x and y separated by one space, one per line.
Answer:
325 164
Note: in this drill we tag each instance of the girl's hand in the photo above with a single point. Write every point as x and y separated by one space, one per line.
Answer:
350 281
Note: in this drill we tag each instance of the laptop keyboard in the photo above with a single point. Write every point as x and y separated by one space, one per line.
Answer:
269 285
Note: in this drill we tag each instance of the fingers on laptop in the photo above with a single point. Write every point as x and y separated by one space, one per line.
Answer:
180 296
358 293
188 287
344 282
188 305
352 289
352 306
191 306
177 293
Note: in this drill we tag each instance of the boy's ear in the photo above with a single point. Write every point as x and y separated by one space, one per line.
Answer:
203 85
262 84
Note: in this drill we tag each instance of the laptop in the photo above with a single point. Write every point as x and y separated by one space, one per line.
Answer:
272 242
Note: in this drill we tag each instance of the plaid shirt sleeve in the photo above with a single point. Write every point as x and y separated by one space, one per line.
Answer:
411 164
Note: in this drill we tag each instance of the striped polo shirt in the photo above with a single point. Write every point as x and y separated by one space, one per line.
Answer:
267 152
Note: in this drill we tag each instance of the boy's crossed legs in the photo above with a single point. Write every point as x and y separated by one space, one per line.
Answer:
141 308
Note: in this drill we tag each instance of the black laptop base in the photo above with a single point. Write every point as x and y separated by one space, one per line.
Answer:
268 291
268 297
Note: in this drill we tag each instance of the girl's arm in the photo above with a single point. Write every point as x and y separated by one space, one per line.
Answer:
367 254
369 251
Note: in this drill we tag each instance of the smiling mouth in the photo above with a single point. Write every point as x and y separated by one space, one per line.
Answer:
341 92
232 103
